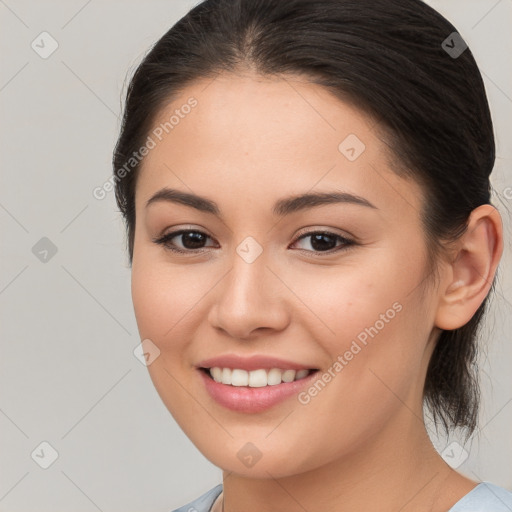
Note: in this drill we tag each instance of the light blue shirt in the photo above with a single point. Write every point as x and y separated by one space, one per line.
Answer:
485 497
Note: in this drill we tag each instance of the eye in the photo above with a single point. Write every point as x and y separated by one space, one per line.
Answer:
191 240
194 240
325 241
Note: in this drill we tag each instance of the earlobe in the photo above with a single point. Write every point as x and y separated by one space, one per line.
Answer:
470 275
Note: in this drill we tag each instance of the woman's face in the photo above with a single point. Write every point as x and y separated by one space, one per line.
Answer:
252 287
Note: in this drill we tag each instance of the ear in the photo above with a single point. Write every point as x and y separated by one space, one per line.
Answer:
469 275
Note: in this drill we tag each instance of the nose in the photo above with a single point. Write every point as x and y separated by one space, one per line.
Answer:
249 300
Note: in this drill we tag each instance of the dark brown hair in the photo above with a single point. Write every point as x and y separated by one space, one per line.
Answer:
390 58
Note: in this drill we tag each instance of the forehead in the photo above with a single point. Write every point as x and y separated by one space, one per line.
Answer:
251 113
268 137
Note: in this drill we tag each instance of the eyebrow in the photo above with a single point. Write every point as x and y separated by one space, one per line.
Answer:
281 207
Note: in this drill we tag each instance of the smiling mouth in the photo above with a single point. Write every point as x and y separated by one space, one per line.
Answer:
255 378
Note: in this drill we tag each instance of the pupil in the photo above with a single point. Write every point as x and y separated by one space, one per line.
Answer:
196 240
316 242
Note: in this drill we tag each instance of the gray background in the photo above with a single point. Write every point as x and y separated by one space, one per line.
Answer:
68 375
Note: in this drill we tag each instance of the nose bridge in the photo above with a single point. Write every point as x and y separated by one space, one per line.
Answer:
249 297
248 271
247 288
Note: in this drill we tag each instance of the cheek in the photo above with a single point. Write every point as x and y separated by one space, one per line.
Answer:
162 298
164 303
371 319
350 301
368 384
150 302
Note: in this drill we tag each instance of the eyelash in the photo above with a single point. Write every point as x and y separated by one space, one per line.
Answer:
165 241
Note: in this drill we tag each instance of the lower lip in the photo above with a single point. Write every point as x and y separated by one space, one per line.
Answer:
253 400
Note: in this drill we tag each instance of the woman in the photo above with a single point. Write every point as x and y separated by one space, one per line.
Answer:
306 193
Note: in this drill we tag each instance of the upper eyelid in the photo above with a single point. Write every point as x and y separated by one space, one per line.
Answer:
305 230
330 231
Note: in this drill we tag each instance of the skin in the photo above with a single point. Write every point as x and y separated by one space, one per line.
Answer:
250 141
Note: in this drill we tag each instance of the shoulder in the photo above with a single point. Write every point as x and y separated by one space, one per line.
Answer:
485 497
203 503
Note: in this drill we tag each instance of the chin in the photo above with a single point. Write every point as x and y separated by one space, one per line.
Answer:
258 459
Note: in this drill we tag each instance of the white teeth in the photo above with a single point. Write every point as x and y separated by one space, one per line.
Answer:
288 376
301 374
256 378
216 373
226 375
239 378
274 377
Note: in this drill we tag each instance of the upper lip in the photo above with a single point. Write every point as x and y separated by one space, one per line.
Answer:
254 362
